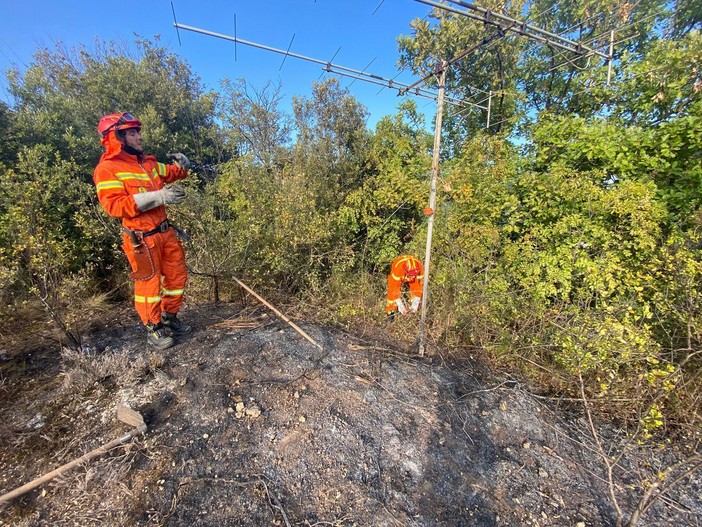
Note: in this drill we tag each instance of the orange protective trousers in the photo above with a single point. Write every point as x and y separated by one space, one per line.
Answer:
164 290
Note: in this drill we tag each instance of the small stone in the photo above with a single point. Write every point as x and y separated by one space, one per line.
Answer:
526 445
205 436
253 411
302 419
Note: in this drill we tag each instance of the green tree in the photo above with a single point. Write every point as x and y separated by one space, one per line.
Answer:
489 68
470 298
385 211
43 252
331 150
254 123
10 143
60 97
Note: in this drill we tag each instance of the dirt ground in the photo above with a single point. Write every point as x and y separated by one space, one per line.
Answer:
250 424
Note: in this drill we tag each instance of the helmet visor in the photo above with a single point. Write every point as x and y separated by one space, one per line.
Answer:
124 118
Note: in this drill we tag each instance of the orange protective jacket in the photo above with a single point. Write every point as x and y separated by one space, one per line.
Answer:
398 276
118 176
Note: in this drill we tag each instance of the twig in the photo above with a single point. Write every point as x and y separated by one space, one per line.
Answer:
277 503
657 489
485 390
259 479
600 449
335 523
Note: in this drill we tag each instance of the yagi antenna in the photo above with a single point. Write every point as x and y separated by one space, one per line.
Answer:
336 69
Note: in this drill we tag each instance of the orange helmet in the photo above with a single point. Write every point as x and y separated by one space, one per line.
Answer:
117 121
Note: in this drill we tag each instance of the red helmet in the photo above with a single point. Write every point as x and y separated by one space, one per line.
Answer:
117 121
411 271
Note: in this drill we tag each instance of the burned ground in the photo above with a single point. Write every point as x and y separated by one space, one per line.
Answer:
250 424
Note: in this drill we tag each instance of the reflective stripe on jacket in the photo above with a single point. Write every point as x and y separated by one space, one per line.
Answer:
119 175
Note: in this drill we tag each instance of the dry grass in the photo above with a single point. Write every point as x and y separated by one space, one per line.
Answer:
26 325
82 369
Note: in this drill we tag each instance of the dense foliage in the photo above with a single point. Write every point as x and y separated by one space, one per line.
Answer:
567 237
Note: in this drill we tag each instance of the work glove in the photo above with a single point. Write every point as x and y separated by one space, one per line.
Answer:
166 196
415 304
401 307
181 160
172 195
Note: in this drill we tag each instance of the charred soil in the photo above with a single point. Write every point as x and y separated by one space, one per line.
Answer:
250 424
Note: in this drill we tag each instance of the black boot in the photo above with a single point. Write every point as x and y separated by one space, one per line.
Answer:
156 336
170 320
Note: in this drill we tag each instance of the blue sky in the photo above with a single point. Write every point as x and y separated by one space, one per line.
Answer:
364 30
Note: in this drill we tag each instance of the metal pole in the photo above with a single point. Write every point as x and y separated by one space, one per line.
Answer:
520 24
488 110
432 203
611 54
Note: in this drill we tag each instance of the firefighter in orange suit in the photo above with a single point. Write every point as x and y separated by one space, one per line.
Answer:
132 186
405 269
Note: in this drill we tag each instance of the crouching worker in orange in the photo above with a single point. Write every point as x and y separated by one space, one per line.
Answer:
405 269
132 186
